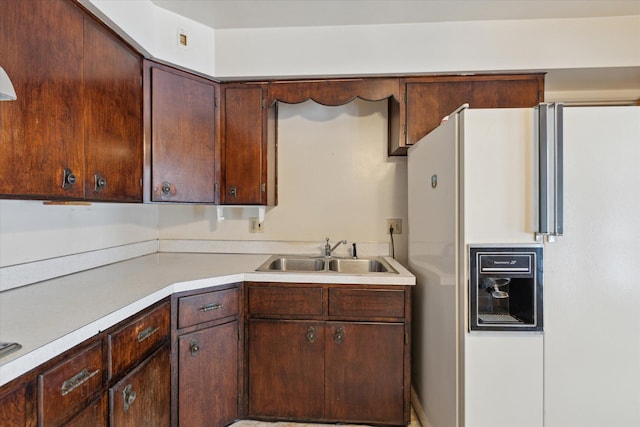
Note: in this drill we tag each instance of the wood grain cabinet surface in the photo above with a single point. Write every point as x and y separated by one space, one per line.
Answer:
75 130
348 363
429 99
66 388
17 405
248 145
143 396
207 349
180 125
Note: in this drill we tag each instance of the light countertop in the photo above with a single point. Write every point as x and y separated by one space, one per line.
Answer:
52 316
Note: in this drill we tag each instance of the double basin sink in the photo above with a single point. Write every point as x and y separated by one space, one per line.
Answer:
309 264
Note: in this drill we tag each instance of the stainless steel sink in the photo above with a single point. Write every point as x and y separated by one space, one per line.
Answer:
297 264
360 266
292 263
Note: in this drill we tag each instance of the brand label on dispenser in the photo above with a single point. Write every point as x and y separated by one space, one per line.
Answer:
505 263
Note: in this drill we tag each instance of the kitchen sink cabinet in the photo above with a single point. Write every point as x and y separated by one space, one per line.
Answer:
180 128
207 349
248 145
286 369
348 362
75 130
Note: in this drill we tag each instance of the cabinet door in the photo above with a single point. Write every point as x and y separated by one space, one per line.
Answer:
143 397
94 415
208 376
182 137
14 410
286 369
112 117
244 150
42 131
364 365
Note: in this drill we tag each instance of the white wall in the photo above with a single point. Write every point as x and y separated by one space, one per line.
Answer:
334 180
156 30
32 231
436 47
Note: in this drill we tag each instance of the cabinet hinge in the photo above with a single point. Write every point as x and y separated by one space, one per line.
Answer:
262 103
140 182
263 187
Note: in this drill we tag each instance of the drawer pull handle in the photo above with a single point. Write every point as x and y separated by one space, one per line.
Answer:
128 397
194 346
338 337
311 334
209 307
77 380
146 333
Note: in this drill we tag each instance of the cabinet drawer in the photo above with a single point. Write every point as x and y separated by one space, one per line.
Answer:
137 338
63 388
201 308
366 303
280 300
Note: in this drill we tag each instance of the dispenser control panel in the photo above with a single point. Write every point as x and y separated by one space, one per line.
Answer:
505 288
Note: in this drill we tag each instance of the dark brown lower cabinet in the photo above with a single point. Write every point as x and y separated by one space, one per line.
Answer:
342 372
286 369
143 397
15 406
207 357
94 415
340 353
208 376
364 372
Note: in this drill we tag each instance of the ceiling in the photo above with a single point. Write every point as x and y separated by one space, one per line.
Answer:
230 14
226 14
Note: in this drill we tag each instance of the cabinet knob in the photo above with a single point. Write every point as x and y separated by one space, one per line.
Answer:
128 397
338 336
311 334
68 178
100 182
194 346
233 191
166 189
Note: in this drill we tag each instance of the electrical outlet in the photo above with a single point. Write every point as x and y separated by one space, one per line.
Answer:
396 224
255 226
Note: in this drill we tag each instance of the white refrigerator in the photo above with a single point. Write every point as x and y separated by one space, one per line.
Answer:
481 178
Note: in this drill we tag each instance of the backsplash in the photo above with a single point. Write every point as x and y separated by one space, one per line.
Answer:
37 271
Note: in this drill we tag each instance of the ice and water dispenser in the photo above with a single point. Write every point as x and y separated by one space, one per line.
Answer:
505 288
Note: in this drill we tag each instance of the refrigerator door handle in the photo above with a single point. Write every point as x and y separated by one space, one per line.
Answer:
549 177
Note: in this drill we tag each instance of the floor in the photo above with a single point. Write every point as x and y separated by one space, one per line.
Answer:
415 422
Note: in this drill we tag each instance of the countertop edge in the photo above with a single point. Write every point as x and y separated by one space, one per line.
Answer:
13 369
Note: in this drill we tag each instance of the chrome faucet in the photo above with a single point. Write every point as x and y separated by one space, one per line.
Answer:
328 249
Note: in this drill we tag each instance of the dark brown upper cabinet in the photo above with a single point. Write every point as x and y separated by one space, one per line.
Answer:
112 117
427 100
180 129
248 145
75 131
